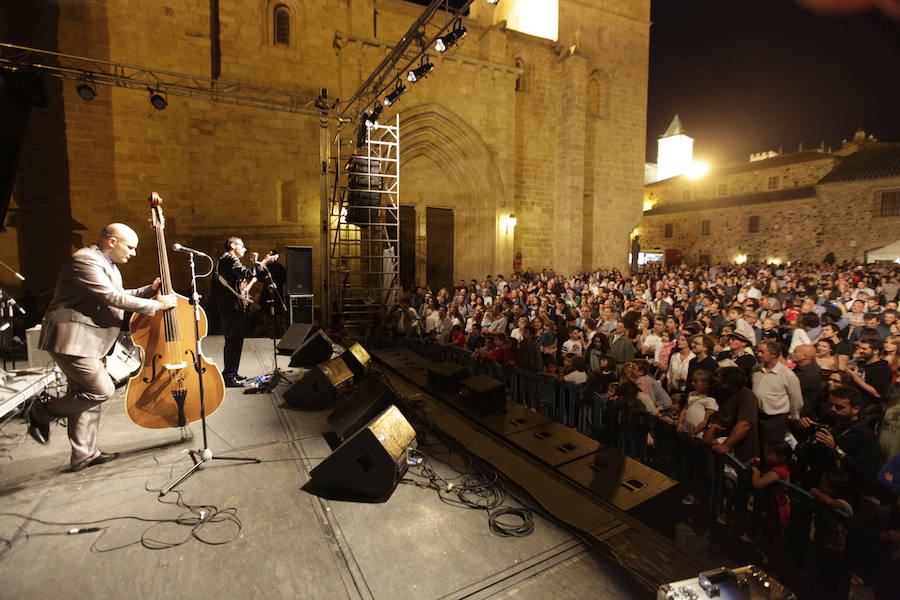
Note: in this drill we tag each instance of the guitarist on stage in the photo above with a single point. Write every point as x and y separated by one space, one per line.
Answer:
232 301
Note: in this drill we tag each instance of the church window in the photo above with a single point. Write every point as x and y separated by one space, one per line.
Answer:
597 98
773 183
282 17
753 224
520 78
668 230
890 204
704 227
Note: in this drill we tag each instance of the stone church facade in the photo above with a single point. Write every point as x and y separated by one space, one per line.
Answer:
799 206
551 132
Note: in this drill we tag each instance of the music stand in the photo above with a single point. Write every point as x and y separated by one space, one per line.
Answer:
204 455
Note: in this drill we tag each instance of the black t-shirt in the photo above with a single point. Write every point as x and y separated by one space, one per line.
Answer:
878 375
741 406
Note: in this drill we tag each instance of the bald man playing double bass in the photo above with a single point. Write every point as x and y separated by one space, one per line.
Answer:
79 330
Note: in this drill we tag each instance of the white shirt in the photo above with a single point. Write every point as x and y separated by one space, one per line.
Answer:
778 391
678 369
572 347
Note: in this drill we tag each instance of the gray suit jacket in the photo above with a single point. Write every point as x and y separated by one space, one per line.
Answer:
86 313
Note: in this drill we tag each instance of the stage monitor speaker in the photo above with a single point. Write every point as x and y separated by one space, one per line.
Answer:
298 263
479 395
302 309
644 493
554 444
357 358
446 377
320 386
317 348
294 337
364 403
512 418
369 465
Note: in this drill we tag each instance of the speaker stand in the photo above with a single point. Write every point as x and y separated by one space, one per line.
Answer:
271 380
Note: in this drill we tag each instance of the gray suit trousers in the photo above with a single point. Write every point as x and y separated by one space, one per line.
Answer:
89 386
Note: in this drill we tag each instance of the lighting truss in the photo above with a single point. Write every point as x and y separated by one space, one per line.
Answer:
80 69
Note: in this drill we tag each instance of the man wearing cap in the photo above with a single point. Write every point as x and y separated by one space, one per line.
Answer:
739 352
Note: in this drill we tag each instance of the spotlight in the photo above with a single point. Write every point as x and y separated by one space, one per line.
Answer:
451 38
417 74
85 91
158 101
372 117
493 1
392 97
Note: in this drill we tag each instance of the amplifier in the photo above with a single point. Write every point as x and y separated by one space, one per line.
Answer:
302 309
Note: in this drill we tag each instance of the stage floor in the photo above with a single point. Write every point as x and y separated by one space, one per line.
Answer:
290 544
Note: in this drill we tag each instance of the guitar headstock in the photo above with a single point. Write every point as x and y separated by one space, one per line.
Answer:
156 212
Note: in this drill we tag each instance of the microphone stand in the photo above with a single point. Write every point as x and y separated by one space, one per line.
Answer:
205 455
275 377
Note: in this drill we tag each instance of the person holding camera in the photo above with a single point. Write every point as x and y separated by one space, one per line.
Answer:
846 441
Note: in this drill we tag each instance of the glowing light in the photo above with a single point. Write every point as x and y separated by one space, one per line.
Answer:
740 259
775 261
508 224
697 169
648 204
539 18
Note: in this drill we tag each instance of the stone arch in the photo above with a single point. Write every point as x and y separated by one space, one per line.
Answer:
445 163
520 75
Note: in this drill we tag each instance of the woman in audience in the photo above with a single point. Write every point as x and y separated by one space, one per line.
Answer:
678 364
825 356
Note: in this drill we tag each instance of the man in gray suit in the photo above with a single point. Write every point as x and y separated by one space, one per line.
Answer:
79 330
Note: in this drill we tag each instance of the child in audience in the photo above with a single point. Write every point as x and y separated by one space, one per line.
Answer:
699 406
776 455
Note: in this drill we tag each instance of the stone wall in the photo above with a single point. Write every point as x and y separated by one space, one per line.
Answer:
564 154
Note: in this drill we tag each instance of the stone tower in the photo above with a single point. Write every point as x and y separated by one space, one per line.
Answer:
675 151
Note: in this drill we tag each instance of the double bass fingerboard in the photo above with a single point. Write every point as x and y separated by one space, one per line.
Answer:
159 225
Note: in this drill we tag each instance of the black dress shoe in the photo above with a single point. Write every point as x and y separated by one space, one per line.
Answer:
40 432
103 457
233 382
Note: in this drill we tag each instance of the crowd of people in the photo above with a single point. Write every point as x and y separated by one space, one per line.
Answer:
792 369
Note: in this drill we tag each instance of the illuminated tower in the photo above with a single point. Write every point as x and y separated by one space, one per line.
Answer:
675 152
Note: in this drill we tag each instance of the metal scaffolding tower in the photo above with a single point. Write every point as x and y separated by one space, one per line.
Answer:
364 224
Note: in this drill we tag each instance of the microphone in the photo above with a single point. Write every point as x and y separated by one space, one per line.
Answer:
179 248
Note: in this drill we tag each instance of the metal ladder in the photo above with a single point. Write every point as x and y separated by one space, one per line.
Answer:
364 226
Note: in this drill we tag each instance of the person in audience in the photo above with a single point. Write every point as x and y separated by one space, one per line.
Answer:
810 377
475 340
778 391
679 364
776 456
871 374
699 405
649 385
575 343
733 428
825 355
621 348
530 350
702 346
739 352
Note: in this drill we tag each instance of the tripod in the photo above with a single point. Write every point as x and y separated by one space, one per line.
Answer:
205 455
271 380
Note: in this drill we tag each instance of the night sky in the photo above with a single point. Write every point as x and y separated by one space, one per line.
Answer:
752 75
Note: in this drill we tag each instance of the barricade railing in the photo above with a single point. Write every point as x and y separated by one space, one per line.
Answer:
720 484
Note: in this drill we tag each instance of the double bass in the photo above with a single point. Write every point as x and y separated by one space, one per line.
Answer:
166 391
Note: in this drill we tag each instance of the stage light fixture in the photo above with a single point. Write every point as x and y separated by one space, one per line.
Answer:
450 39
420 72
372 117
157 100
392 97
85 91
